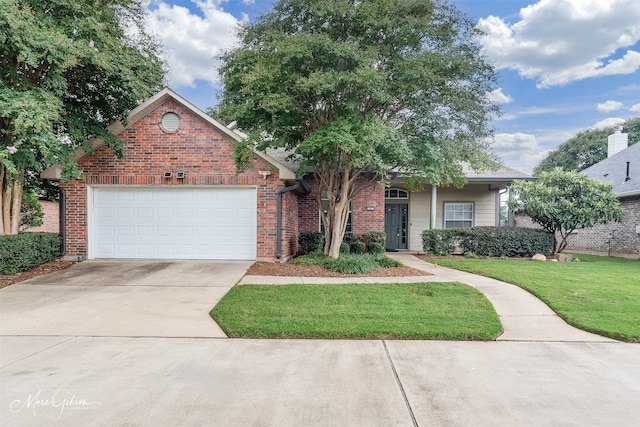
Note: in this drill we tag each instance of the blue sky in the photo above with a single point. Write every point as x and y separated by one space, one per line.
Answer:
564 65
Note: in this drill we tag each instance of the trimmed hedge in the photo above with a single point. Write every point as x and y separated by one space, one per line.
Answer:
21 252
488 241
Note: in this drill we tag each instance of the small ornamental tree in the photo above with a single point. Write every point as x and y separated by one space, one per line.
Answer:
355 89
561 201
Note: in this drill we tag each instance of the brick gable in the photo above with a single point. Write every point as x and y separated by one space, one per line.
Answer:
197 148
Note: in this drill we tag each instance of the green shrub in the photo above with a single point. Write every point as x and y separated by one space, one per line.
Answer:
510 242
378 237
344 248
439 242
375 248
310 241
358 247
488 241
21 252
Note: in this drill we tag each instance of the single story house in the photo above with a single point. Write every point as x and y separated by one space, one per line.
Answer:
622 169
176 195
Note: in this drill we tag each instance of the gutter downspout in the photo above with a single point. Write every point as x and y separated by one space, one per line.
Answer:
62 220
299 183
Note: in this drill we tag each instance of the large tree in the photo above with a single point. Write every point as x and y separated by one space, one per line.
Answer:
561 201
68 69
356 89
586 148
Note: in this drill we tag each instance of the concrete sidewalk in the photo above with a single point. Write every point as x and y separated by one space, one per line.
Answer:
524 317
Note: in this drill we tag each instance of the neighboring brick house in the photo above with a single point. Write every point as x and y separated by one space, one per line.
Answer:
622 169
176 194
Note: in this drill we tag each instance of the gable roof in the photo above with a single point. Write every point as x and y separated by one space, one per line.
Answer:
614 170
502 174
54 172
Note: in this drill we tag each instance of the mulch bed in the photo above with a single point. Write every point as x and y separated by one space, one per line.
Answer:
49 267
288 269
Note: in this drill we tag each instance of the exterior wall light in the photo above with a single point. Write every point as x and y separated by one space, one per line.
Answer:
180 175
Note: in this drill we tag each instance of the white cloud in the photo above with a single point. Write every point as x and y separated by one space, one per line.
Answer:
192 42
559 41
609 106
510 142
498 97
635 108
607 123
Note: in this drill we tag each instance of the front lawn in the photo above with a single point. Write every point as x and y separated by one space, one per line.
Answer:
446 311
598 294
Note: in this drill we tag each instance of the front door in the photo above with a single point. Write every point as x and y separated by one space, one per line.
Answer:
395 226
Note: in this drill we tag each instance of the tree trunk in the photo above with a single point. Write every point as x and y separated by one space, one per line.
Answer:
18 186
10 201
337 188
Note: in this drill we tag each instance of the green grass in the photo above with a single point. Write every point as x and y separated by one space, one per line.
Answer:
348 263
598 294
446 311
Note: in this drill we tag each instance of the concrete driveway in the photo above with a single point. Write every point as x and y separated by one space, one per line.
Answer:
130 343
121 298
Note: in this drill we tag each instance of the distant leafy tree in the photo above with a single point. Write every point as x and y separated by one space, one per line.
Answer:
357 88
586 148
561 201
68 69
31 213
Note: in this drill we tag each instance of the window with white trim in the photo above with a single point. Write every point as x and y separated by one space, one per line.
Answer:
458 214
395 193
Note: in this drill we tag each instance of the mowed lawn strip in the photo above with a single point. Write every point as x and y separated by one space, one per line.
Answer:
597 294
445 311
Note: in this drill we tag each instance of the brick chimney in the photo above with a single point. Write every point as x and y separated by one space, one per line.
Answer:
617 142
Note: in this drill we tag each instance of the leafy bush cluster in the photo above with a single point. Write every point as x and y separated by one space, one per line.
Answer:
348 263
310 242
488 241
372 242
20 252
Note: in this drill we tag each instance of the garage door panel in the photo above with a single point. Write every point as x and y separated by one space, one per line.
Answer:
208 223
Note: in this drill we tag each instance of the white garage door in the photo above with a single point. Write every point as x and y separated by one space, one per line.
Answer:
174 223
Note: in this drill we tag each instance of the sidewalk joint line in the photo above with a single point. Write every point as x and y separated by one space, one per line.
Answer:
397 377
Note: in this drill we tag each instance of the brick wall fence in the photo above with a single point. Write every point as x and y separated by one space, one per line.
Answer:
595 240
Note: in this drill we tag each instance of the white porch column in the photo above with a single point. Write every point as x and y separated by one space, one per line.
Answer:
434 201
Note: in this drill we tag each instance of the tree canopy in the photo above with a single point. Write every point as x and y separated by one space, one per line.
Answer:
586 148
357 89
561 201
68 70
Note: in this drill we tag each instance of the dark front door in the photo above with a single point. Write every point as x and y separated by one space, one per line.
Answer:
395 226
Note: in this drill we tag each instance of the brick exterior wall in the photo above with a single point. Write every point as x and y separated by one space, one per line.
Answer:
595 239
362 219
625 240
196 148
